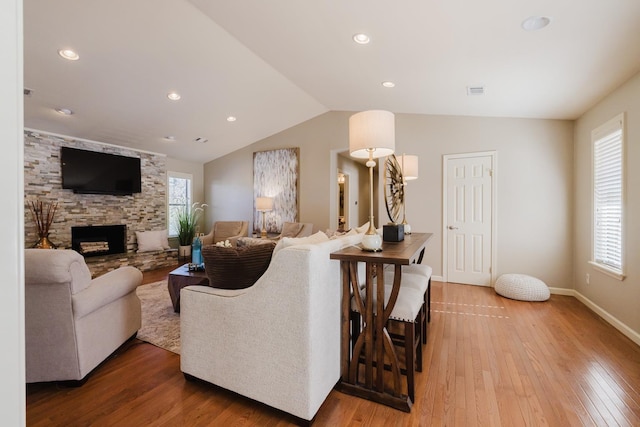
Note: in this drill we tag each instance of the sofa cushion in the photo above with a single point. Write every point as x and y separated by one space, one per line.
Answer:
236 268
336 234
149 241
363 228
285 242
252 241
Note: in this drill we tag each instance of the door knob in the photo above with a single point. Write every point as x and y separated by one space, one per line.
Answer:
451 227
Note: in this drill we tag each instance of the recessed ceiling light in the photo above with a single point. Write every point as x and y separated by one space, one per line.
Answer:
64 111
388 84
231 119
534 23
68 54
174 96
361 38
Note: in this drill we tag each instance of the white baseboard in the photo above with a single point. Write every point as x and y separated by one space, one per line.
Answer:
608 317
563 291
626 331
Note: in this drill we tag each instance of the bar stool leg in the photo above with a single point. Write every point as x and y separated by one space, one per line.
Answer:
409 351
355 328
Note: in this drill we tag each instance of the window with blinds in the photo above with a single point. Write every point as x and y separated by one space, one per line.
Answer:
608 197
179 186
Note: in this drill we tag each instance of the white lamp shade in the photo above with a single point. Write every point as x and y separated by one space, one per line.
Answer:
409 165
264 204
372 132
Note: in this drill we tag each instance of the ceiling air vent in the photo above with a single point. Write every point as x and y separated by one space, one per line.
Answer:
475 90
27 91
200 140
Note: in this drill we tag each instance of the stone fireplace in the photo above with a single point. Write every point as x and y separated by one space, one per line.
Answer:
144 211
95 240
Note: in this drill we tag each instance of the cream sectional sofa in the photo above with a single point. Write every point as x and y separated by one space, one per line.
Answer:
278 341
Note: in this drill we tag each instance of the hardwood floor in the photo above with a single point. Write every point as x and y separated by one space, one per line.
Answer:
489 361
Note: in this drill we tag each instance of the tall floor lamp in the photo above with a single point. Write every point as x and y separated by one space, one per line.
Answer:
264 204
409 166
371 135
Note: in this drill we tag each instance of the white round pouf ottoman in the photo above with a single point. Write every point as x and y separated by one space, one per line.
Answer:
522 287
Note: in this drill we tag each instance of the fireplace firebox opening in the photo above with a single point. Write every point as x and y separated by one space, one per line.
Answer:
94 240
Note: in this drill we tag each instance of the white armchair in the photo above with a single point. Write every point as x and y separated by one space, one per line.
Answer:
72 322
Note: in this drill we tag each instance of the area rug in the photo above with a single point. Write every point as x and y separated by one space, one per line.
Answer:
160 324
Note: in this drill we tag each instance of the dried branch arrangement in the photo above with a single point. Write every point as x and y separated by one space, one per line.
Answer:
43 214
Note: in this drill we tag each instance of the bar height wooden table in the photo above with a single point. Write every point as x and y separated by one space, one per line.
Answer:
374 340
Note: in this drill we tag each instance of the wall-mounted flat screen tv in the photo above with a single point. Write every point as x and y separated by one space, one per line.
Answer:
92 172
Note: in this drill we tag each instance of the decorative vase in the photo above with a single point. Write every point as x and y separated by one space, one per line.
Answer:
184 251
44 243
196 253
372 242
43 213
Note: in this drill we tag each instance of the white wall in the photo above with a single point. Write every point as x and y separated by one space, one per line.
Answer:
12 406
535 178
620 300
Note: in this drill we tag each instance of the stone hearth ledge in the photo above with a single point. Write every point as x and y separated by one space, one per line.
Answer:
144 261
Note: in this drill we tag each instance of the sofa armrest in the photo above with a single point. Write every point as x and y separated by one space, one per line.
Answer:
106 289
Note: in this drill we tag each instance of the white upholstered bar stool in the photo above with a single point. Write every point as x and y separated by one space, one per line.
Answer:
423 285
406 311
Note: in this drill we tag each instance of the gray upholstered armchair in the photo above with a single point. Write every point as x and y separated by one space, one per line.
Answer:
226 230
72 322
295 229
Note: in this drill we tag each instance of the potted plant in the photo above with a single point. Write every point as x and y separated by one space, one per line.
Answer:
187 223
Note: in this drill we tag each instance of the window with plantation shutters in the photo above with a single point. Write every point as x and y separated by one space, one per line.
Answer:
608 197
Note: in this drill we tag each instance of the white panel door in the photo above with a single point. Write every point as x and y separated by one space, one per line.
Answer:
469 220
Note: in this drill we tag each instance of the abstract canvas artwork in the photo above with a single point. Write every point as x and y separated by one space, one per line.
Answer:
275 174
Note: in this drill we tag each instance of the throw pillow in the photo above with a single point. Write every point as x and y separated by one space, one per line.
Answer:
363 228
149 241
285 242
335 234
252 241
235 268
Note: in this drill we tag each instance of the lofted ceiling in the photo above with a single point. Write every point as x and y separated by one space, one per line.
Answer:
274 64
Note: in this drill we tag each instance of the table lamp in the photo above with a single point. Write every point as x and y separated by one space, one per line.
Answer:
409 166
371 135
264 204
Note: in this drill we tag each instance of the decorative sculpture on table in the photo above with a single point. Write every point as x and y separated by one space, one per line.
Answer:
409 165
43 217
393 188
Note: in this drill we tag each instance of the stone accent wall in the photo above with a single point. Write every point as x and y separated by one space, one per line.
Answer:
145 261
139 212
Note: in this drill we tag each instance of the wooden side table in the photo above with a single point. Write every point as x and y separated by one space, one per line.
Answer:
374 343
181 277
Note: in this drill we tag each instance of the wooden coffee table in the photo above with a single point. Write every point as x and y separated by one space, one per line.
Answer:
181 277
